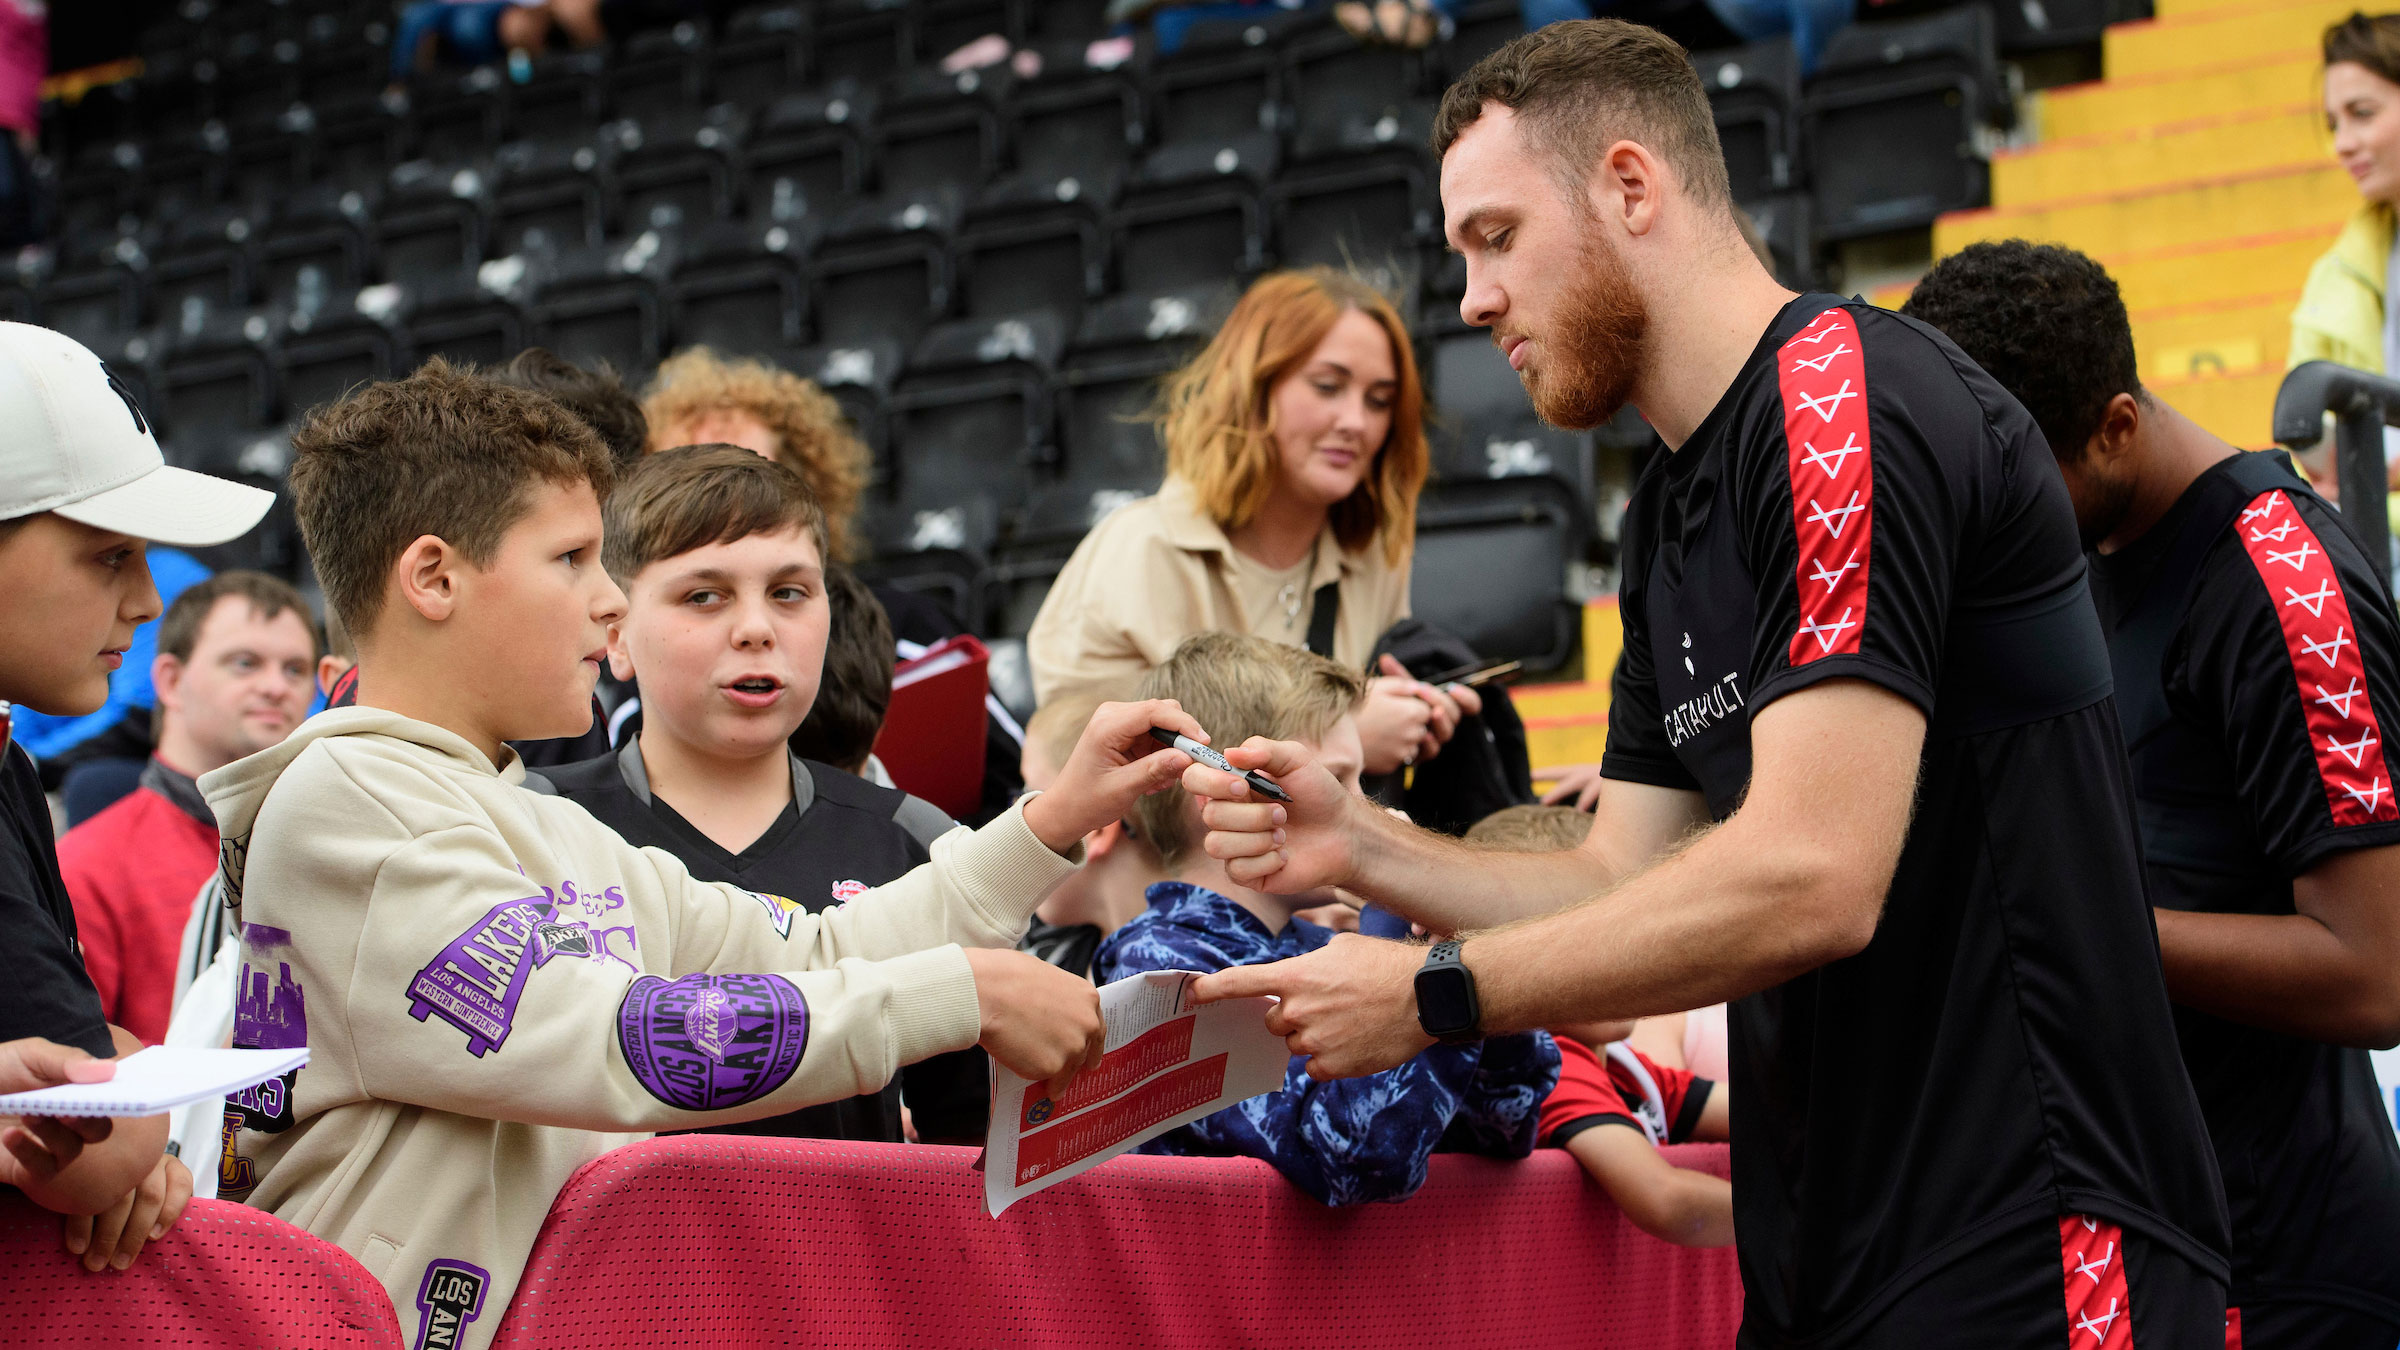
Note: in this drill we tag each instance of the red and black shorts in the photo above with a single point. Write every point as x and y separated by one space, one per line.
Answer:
2121 1291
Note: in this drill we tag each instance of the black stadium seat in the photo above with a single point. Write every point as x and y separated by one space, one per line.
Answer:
1036 242
600 303
1894 121
807 153
1491 564
98 304
344 342
944 26
971 417
432 220
937 130
315 243
678 169
1223 80
566 94
737 288
214 385
662 71
466 317
204 257
1361 198
549 194
859 376
761 54
1072 119
1192 215
1110 381
1755 93
862 40
458 116
1330 80
883 270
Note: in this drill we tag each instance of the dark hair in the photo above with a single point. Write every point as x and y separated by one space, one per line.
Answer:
596 395
856 687
179 627
2044 321
2370 41
445 452
1581 86
682 499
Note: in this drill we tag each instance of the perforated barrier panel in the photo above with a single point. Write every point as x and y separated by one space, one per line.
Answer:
226 1276
723 1240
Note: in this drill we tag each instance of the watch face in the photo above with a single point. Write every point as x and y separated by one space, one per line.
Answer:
1445 1001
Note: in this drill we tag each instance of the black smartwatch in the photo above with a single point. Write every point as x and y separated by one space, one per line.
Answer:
1446 1006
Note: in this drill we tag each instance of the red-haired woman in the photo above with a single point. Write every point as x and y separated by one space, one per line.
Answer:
1295 450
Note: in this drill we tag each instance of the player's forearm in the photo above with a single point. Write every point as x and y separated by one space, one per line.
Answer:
2283 972
1744 907
1451 887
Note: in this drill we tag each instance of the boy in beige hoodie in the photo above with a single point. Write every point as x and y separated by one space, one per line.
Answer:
494 988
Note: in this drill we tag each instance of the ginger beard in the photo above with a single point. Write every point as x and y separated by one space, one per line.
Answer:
1596 352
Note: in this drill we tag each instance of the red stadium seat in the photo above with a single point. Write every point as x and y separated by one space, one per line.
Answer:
799 1242
228 1275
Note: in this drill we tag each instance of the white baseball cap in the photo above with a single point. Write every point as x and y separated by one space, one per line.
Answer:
74 442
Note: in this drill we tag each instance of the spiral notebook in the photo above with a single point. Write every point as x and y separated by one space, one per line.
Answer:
154 1081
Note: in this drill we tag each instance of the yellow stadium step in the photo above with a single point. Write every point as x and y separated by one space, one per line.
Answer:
2195 341
2267 202
2218 37
2121 104
1568 723
2220 270
2240 408
2184 9
2059 170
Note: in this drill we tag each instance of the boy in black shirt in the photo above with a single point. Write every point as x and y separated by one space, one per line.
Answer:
82 486
1861 663
727 624
2256 653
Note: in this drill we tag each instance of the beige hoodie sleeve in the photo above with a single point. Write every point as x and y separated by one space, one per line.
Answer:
660 1002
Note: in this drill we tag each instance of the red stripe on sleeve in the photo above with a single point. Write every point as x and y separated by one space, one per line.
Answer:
2099 1304
2323 645
1824 380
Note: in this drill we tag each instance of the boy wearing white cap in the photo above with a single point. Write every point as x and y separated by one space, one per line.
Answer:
82 488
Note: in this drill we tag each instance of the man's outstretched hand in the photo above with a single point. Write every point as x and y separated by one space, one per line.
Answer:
1267 845
1350 1006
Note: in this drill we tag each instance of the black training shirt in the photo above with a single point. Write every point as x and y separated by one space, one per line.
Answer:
1865 503
2279 672
47 992
840 836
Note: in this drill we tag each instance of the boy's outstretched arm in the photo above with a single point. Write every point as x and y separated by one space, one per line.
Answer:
1670 1203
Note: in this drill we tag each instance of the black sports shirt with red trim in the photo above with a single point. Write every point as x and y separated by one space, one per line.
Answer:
2281 676
1865 503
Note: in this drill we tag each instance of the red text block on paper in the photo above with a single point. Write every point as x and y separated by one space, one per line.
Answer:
1079 1137
1161 1047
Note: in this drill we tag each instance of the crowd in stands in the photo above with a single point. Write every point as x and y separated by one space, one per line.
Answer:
567 773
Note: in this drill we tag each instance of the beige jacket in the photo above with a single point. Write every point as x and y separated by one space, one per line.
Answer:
1155 571
495 989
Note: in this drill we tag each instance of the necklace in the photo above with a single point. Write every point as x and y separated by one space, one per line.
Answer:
1290 596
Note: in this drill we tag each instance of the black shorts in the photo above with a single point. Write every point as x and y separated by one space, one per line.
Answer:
2060 1284
2307 1326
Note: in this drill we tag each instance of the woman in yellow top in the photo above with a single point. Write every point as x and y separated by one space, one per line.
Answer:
1295 451
2344 314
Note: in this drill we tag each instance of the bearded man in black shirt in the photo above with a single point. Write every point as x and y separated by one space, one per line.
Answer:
2256 653
1863 774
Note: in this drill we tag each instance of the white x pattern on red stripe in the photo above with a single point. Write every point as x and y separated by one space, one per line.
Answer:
2314 617
1823 378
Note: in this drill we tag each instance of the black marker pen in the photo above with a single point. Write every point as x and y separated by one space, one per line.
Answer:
1265 785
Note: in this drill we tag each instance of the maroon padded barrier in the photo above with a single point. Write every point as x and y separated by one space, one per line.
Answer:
225 1276
713 1239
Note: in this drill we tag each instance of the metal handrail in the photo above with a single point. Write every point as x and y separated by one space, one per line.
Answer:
2362 406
